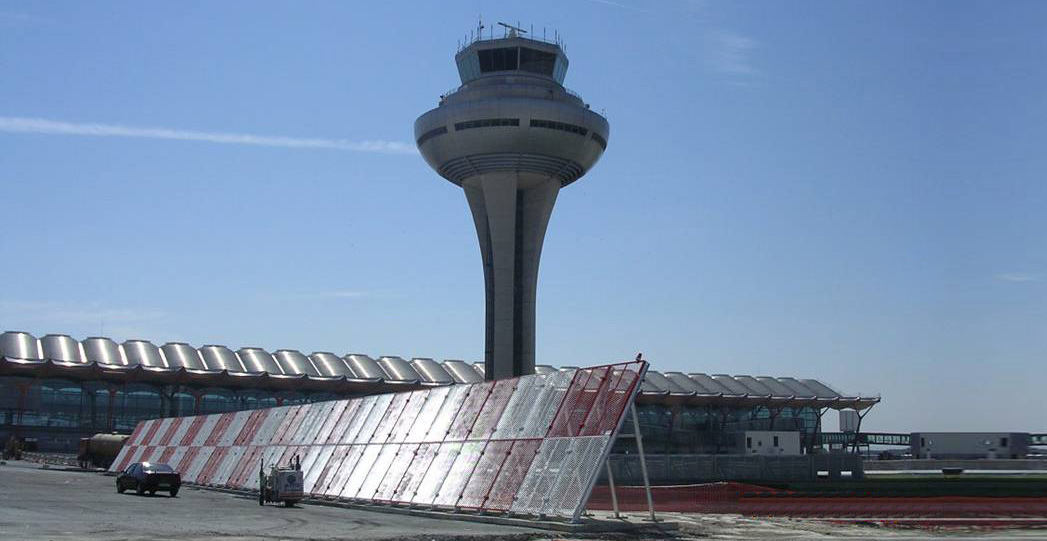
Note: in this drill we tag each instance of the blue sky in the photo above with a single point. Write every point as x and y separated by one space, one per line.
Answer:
840 190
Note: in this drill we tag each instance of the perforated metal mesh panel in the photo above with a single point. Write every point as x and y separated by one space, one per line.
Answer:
529 446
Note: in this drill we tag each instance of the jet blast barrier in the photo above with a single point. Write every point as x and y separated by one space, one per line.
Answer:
527 446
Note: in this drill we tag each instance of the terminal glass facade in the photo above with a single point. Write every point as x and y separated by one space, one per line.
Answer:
57 412
706 430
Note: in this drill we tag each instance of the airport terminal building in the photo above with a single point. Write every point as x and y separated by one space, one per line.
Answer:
56 390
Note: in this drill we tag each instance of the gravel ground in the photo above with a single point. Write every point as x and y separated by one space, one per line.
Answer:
739 527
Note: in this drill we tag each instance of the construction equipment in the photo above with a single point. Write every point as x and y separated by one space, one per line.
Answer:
281 484
100 450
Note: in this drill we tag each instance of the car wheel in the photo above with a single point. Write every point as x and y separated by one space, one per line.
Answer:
174 492
152 493
139 489
120 488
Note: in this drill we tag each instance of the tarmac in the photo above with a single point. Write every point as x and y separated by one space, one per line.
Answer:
39 502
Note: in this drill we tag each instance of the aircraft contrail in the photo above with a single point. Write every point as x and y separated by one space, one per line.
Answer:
54 127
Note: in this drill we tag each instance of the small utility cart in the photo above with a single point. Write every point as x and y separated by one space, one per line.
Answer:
281 484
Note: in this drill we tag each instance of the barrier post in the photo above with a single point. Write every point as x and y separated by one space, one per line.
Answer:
643 463
614 494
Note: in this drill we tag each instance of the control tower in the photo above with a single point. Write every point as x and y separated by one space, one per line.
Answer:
511 136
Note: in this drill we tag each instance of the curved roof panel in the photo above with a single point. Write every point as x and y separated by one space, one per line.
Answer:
143 352
682 381
657 383
295 362
704 389
754 387
182 355
821 390
730 383
713 385
364 366
330 365
102 350
542 369
259 360
19 345
776 387
60 347
798 388
480 369
431 371
220 358
462 372
399 369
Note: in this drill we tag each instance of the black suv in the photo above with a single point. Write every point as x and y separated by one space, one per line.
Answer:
149 477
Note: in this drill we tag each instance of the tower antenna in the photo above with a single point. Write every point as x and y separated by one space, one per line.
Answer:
513 30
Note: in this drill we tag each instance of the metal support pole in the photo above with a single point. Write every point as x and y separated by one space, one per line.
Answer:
614 493
23 391
109 424
858 429
643 463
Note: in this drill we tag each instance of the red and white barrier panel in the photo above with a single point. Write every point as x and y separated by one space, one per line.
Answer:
532 445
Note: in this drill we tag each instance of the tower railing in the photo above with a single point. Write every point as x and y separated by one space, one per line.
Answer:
490 34
455 89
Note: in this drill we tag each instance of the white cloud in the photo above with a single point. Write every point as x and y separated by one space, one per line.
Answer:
332 294
731 54
1018 277
53 127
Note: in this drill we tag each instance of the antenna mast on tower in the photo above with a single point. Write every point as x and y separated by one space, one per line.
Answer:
513 30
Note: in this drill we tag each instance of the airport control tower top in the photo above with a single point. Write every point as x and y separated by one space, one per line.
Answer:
511 81
511 136
514 51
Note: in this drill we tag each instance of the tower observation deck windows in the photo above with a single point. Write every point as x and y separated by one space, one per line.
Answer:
554 125
503 59
535 61
485 123
517 58
432 133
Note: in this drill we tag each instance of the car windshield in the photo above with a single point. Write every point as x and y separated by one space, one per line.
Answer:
158 468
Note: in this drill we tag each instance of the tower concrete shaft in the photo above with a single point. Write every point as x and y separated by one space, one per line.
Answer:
511 213
511 136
